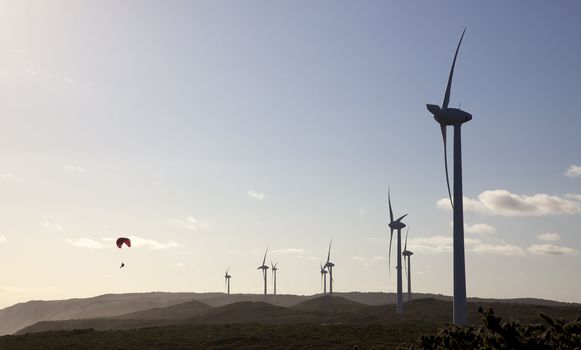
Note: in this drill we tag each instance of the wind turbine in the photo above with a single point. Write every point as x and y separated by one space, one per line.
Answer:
396 225
324 279
407 254
274 269
329 265
455 117
227 279
264 269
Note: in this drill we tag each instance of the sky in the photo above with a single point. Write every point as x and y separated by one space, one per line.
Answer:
209 130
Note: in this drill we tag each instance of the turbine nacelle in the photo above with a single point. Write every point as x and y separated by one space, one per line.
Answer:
329 264
263 267
449 116
407 253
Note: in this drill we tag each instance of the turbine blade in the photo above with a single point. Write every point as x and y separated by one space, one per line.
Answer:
405 247
321 280
389 201
228 270
389 254
329 254
264 260
403 216
443 128
449 87
405 265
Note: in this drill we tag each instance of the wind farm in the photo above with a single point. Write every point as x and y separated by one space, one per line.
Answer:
152 153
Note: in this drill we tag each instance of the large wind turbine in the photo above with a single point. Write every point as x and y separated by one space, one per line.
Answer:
324 279
227 279
329 265
264 269
407 254
274 269
396 225
455 117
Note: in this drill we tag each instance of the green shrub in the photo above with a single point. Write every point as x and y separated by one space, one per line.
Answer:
549 333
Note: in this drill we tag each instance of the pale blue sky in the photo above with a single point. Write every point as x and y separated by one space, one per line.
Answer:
131 117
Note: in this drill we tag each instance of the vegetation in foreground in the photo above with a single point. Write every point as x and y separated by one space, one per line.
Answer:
493 334
234 336
547 333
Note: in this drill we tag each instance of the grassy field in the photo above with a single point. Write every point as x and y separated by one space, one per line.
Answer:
235 336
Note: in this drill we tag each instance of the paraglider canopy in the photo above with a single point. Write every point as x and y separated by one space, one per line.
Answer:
123 240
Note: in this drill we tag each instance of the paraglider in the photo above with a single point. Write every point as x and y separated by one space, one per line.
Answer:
120 242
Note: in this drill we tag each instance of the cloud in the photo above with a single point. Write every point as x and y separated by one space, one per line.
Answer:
3 239
140 242
501 249
52 226
189 223
434 244
470 204
289 251
443 244
573 171
362 211
74 168
256 195
8 177
378 258
360 258
549 249
85 243
576 197
549 237
116 177
482 229
504 203
180 264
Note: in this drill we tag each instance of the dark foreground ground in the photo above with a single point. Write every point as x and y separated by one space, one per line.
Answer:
236 336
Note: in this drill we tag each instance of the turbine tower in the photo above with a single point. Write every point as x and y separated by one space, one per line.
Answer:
324 279
407 254
396 225
274 269
329 265
227 279
264 269
455 117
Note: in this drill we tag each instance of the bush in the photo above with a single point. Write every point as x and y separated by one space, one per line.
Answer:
549 333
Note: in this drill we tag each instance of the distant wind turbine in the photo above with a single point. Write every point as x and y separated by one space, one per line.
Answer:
396 225
329 265
455 117
227 279
324 279
264 269
407 255
274 269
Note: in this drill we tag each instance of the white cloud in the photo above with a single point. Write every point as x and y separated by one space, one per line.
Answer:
549 249
362 211
3 239
53 226
576 197
85 243
573 171
189 223
289 251
549 237
256 195
8 177
116 177
153 244
482 229
378 258
180 264
469 204
501 249
434 244
443 244
360 258
504 203
74 168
